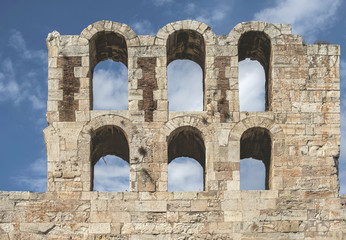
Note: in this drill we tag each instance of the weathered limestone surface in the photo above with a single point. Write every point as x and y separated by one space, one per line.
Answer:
297 138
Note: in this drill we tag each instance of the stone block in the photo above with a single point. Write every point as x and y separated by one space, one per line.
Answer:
150 206
99 228
6 205
233 216
199 205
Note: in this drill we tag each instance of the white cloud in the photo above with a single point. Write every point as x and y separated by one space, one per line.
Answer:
110 86
185 174
111 174
306 16
36 102
39 166
7 66
17 42
190 8
35 178
143 27
218 15
18 87
161 2
252 174
185 86
12 90
212 15
9 88
251 86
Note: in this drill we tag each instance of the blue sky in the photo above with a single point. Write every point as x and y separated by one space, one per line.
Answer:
24 26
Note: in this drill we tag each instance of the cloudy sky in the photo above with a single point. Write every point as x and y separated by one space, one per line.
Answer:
24 26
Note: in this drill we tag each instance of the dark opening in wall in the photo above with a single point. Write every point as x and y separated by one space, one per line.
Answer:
186 45
256 45
105 46
256 143
187 142
185 86
108 140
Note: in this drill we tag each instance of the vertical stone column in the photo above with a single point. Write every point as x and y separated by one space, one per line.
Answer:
64 114
55 74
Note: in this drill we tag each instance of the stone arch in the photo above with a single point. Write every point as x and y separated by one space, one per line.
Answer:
271 30
186 143
115 35
257 121
110 26
195 123
85 152
114 39
254 40
256 143
186 40
182 139
201 28
254 129
107 40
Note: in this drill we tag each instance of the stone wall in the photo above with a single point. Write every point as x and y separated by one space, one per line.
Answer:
267 214
297 138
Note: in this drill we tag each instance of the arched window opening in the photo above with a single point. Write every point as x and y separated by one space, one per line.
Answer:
106 141
111 174
110 86
251 86
185 147
185 45
256 45
185 86
255 143
108 79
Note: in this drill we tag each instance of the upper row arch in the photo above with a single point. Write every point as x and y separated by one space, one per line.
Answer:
108 26
271 30
203 29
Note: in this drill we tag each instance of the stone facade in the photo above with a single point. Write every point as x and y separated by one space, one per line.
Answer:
297 138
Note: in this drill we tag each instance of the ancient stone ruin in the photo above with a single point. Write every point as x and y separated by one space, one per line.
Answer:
297 137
